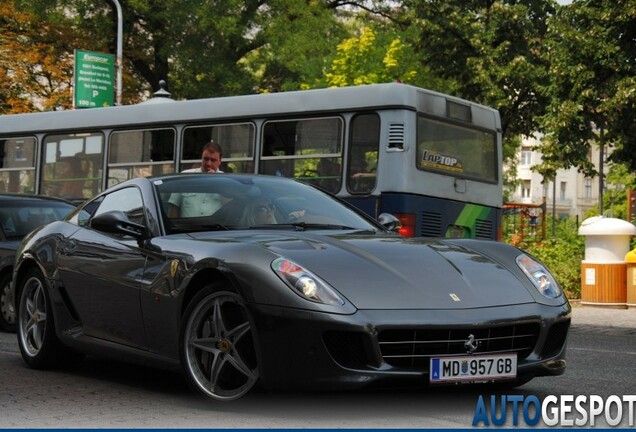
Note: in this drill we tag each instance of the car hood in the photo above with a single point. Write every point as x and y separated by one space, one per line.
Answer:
396 273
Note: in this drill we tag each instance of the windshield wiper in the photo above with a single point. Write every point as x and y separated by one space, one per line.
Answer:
201 227
302 226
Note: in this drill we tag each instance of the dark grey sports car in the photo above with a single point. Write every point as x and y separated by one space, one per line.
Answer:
239 279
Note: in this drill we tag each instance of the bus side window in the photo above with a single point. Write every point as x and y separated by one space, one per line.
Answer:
363 153
237 140
17 165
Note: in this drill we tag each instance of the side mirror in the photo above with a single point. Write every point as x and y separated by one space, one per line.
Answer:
116 222
389 222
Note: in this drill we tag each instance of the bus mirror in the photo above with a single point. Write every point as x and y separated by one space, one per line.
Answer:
389 222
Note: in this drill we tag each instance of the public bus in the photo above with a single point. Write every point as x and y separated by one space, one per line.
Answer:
433 160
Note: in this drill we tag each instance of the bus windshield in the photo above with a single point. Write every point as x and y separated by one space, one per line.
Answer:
456 150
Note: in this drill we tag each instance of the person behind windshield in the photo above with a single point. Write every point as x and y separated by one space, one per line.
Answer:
261 212
199 204
211 156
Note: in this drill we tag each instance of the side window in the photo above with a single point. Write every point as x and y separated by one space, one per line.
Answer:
140 153
306 149
236 141
17 165
127 200
72 165
82 214
363 153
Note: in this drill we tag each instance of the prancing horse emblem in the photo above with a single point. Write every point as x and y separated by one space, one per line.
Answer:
471 344
174 266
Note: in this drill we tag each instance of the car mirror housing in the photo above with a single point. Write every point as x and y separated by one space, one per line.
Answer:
116 222
389 222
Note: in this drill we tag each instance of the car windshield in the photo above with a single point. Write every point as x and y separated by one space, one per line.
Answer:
221 202
20 217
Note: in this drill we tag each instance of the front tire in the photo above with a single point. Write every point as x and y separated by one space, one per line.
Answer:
39 345
217 347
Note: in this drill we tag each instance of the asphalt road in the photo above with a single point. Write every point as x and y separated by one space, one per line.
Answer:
98 393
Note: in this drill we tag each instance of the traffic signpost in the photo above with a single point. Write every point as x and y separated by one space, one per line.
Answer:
94 79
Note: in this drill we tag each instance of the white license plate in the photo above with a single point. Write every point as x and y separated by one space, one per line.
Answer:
473 368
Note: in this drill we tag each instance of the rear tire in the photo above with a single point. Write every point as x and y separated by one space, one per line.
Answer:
216 345
38 342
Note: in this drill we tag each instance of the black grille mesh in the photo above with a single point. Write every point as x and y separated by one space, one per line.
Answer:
347 348
556 339
413 348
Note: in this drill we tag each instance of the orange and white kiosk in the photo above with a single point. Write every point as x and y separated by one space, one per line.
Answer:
604 270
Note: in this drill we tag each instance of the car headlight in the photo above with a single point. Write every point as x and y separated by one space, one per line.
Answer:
541 278
305 283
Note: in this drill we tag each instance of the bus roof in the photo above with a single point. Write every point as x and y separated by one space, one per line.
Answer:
341 99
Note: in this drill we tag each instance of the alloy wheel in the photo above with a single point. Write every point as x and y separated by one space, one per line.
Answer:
219 349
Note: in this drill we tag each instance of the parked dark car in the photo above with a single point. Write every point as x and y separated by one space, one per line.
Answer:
282 284
19 215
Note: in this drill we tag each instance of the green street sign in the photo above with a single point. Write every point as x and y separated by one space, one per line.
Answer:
94 79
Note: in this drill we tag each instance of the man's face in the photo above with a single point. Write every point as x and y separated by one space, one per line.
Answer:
210 161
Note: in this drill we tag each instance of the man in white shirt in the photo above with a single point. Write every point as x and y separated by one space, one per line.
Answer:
211 156
199 204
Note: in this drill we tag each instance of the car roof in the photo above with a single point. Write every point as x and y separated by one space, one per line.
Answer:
12 197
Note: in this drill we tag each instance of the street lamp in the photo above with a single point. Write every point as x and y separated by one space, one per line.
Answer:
119 49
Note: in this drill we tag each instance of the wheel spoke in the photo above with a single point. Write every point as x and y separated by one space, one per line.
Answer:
37 298
38 335
238 332
217 320
215 371
30 307
234 358
29 327
208 345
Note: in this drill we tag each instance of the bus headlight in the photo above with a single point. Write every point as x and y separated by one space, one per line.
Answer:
305 283
540 277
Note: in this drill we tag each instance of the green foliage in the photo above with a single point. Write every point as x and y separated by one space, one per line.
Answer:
300 41
367 60
562 254
591 50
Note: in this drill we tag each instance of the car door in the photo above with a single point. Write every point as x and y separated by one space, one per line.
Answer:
102 273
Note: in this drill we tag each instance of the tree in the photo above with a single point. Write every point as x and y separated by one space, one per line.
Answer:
591 49
36 70
365 60
206 48
300 39
492 50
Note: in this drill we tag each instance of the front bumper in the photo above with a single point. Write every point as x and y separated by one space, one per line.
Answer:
301 349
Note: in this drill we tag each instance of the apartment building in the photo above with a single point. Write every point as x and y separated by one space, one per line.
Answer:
571 193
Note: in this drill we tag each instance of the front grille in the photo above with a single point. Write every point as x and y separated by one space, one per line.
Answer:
413 348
